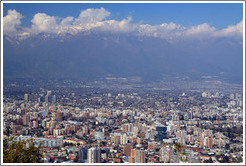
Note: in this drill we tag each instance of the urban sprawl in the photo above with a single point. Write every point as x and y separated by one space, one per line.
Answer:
96 125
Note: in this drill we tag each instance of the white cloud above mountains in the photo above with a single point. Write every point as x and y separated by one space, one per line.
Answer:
91 16
96 20
232 30
11 21
41 22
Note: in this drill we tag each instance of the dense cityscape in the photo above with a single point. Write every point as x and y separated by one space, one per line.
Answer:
119 121
117 82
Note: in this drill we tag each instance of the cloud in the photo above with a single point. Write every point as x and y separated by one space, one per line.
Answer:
174 31
88 19
41 22
118 26
96 20
11 22
232 30
67 21
91 16
201 30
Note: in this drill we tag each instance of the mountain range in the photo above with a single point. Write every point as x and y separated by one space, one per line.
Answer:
99 55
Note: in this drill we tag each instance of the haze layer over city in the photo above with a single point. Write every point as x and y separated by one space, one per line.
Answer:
122 83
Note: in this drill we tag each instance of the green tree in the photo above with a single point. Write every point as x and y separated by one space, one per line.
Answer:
20 151
177 149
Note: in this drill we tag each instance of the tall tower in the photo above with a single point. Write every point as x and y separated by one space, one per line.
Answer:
165 154
26 97
93 155
46 99
83 154
140 156
26 120
54 99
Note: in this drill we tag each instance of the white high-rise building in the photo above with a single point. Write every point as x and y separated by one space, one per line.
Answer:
26 97
165 154
54 99
93 155
123 139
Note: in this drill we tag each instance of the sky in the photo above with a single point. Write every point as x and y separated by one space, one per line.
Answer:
219 15
162 20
